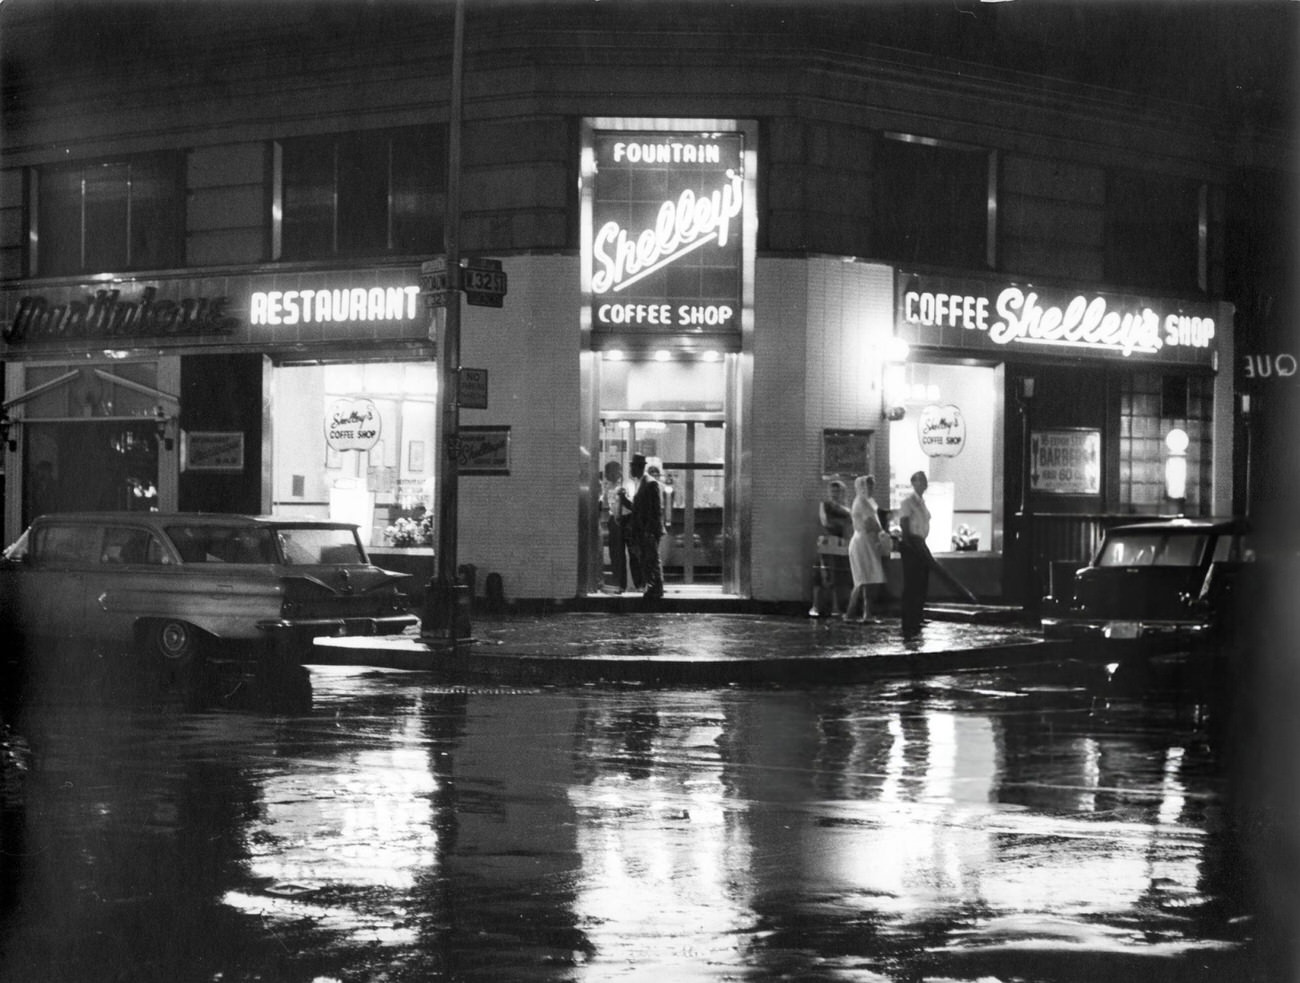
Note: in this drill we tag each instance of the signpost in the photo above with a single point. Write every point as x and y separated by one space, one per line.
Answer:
447 600
482 280
473 393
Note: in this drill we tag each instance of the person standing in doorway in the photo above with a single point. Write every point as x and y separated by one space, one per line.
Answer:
618 509
666 493
864 551
648 527
914 520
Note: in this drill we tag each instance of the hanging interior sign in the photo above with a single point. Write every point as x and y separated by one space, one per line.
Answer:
942 430
352 425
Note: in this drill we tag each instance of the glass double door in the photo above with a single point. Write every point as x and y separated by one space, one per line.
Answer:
690 452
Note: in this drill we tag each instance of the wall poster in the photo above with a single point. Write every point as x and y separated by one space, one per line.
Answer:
1065 462
483 450
846 453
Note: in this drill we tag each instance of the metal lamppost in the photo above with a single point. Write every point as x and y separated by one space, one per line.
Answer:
446 614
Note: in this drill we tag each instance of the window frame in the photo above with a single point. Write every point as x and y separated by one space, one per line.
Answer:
989 212
400 156
166 215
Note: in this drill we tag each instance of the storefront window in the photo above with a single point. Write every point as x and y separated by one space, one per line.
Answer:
949 431
356 442
1152 405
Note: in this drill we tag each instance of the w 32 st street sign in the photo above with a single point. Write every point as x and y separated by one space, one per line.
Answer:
482 280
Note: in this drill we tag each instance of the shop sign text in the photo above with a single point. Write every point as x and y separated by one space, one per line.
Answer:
106 315
1016 316
1282 365
1065 462
680 228
333 306
942 430
352 425
671 259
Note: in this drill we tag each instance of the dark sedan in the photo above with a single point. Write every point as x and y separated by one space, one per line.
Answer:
1167 580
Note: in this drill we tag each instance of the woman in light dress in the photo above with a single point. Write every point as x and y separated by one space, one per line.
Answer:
864 551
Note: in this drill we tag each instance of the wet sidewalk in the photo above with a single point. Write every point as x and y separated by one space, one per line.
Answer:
699 648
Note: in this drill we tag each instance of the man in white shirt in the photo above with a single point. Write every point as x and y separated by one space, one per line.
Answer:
914 520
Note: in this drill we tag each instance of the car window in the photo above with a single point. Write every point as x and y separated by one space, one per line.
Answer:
1235 549
124 545
67 543
201 543
309 545
1152 549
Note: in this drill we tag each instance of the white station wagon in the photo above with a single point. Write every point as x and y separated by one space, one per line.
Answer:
183 588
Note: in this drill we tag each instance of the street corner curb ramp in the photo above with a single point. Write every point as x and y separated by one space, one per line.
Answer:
664 649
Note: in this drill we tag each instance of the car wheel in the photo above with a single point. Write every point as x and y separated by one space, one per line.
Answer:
173 654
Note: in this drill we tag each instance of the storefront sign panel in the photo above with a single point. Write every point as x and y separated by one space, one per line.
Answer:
212 450
482 450
1065 462
845 453
295 309
667 246
994 315
941 430
352 425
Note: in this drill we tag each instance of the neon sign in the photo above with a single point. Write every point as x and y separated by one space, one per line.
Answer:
972 313
333 306
666 244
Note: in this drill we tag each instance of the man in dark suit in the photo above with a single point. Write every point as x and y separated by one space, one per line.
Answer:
648 526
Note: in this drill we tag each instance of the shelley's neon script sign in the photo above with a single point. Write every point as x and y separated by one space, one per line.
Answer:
666 245
974 313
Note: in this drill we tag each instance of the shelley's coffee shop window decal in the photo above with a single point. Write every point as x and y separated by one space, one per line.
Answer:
665 247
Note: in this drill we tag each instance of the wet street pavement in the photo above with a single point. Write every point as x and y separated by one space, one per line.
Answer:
984 825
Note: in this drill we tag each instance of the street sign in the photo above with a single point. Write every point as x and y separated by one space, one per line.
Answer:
473 391
484 282
434 299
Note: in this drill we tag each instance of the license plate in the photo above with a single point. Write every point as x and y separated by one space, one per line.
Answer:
1122 629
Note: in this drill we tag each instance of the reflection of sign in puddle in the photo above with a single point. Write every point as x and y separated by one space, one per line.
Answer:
290 890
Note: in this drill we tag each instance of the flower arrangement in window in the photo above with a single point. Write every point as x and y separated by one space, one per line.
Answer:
965 539
410 532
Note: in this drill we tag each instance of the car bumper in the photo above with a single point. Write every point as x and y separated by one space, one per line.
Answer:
307 628
1124 629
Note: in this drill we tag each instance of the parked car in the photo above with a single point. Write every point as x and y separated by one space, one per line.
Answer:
1162 581
181 591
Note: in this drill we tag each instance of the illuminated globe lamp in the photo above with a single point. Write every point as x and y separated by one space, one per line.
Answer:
895 379
1176 465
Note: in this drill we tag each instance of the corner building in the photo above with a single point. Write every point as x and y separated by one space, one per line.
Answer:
765 246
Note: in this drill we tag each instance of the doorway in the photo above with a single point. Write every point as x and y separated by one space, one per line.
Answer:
690 451
90 465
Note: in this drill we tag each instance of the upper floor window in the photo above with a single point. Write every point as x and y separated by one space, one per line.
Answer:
931 202
93 217
377 191
1153 231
